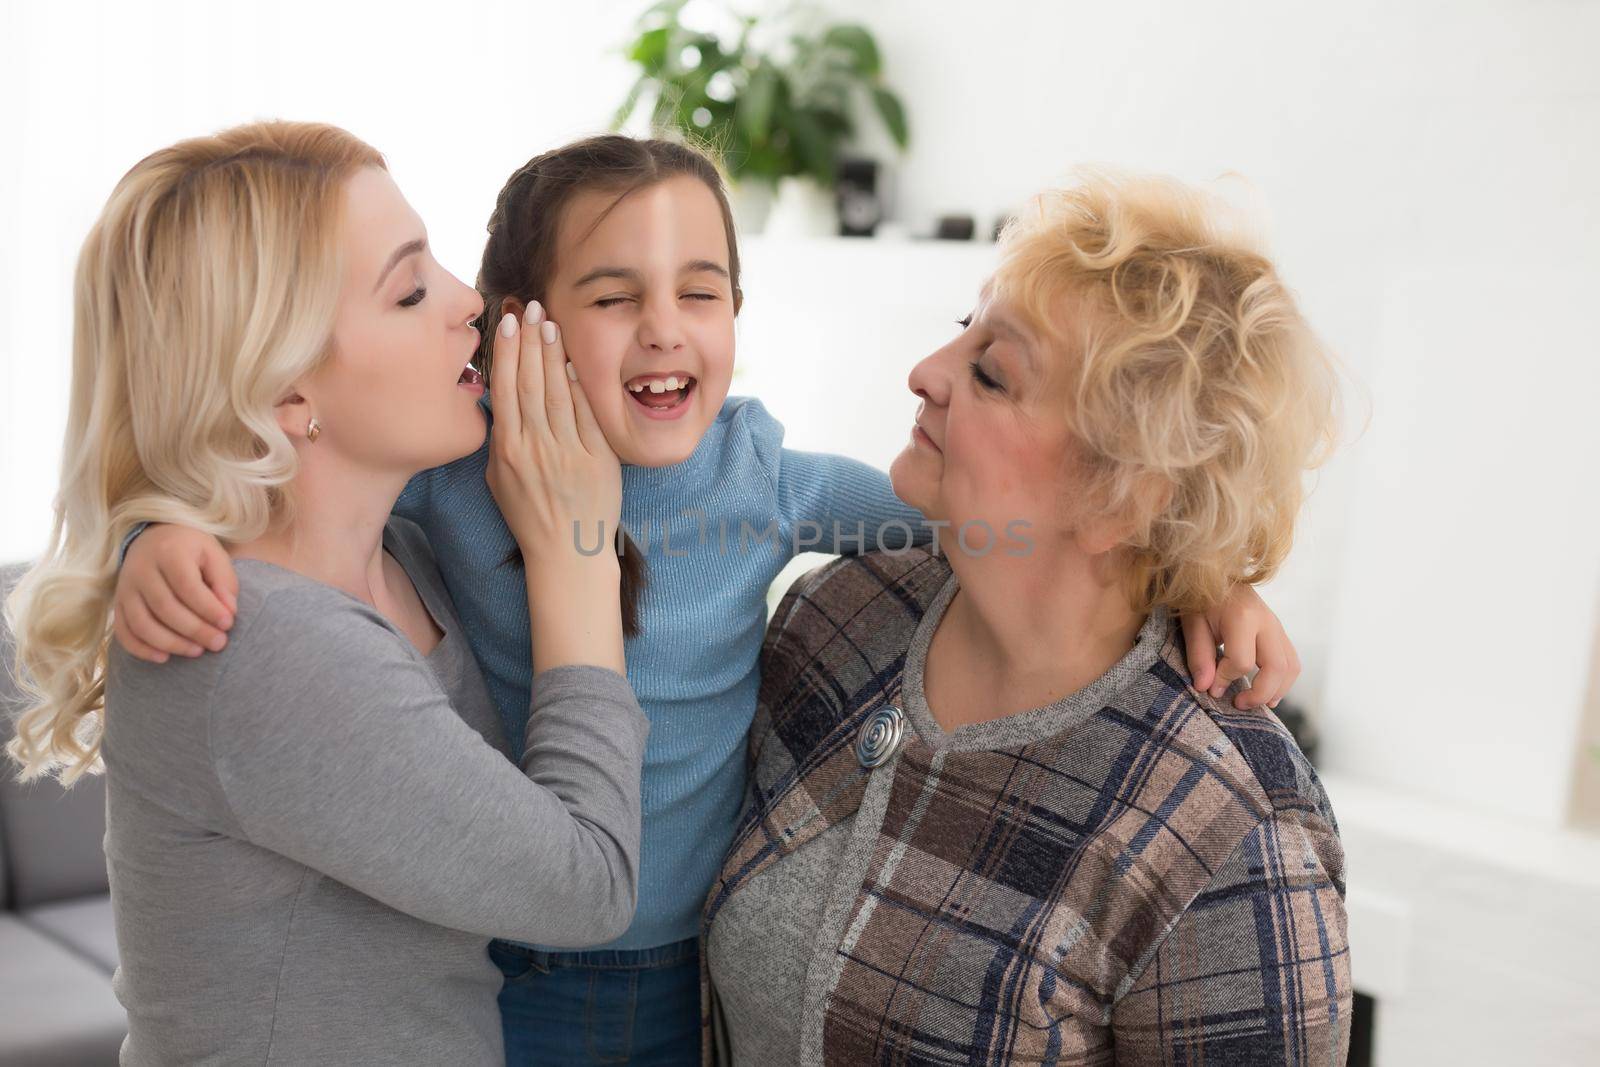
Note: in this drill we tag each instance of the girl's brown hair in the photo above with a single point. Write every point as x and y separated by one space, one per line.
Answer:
519 259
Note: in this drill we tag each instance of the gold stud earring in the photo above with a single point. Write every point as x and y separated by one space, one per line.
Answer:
314 430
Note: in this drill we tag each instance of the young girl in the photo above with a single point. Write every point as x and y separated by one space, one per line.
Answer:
629 244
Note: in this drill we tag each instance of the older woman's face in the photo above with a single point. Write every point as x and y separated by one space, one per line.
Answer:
990 446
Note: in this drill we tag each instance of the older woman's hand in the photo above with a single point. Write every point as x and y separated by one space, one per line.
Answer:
1252 640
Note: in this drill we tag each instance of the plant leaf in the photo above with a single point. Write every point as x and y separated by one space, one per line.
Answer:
893 113
784 118
815 149
650 50
755 104
859 44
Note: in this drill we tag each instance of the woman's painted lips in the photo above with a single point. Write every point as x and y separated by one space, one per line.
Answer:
471 380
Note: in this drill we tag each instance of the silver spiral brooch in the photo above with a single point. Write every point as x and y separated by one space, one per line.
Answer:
880 736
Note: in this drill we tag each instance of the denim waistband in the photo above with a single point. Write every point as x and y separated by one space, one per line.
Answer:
606 958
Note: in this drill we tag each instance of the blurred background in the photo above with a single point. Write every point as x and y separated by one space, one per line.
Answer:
1426 173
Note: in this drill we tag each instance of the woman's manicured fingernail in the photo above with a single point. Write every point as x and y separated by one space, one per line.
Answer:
547 330
533 314
572 373
508 325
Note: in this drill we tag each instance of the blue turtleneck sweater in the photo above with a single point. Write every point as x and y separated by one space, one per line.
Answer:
715 530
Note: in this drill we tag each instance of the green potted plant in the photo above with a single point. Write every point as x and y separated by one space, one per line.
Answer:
775 96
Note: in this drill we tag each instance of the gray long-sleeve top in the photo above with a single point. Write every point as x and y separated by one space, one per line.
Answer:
313 834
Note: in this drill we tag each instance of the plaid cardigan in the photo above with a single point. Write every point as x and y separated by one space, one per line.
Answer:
1162 883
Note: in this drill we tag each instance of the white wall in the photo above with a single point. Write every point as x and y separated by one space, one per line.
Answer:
1475 934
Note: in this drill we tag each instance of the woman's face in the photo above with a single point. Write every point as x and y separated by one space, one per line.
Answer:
392 397
990 445
642 295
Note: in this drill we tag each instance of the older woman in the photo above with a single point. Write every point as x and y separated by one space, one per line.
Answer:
992 818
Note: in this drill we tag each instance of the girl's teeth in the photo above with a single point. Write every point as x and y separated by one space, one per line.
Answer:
661 385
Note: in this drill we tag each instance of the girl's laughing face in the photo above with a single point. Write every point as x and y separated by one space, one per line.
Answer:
643 298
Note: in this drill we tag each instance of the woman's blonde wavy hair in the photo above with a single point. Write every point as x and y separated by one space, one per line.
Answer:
206 289
1195 390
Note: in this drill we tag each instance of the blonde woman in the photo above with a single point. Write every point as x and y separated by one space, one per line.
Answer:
993 819
313 834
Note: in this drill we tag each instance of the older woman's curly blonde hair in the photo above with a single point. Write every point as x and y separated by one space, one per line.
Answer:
1197 392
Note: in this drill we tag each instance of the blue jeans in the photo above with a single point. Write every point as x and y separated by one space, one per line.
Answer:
600 1006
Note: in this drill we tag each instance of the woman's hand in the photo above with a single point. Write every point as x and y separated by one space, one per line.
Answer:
1251 637
559 486
176 594
549 464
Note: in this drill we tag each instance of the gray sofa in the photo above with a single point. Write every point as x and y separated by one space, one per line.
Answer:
57 944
